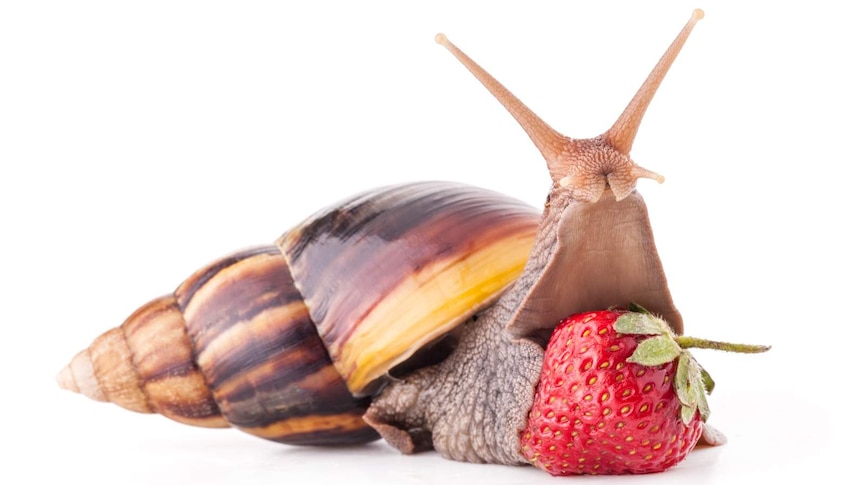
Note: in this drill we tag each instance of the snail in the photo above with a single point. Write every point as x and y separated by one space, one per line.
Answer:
416 313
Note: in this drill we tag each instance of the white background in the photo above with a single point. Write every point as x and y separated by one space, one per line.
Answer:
140 140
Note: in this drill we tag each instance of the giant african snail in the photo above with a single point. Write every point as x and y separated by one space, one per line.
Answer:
442 291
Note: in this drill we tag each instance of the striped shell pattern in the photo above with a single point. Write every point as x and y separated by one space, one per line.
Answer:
288 341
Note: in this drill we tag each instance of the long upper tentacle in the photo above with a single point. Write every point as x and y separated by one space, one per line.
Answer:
622 134
550 143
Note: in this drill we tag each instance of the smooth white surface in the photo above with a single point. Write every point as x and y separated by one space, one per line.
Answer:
139 142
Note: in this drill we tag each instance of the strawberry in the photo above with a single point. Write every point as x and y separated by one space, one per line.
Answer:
618 394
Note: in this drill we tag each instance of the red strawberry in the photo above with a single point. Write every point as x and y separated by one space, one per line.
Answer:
618 394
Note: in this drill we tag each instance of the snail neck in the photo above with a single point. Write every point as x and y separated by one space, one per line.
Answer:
508 313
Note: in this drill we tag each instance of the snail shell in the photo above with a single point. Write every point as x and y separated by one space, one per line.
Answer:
286 341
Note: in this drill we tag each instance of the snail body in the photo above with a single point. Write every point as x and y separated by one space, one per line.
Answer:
451 290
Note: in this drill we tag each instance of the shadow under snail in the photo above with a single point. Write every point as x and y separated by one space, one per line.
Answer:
417 312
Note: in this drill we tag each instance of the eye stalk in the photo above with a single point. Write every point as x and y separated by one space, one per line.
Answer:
585 167
622 134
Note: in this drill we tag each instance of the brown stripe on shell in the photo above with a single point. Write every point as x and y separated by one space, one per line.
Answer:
233 289
193 283
352 433
115 371
349 258
181 398
162 354
258 350
157 332
324 430
292 385
256 341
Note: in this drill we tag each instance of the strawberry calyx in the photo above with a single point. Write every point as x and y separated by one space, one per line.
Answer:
691 382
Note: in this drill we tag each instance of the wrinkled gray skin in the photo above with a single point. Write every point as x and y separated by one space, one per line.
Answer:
470 407
473 406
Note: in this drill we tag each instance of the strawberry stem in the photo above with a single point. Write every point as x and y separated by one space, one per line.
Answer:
687 342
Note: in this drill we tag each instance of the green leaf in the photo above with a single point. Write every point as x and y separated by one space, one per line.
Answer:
680 380
688 382
656 350
634 307
640 324
697 390
702 404
687 414
707 380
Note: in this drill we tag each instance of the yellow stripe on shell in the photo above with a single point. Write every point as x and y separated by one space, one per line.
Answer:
409 317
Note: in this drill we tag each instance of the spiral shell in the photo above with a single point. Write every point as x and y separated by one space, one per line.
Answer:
284 341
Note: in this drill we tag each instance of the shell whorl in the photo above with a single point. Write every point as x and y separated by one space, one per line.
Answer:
266 339
146 365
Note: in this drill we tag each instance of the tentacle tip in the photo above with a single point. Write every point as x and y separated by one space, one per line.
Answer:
697 14
441 39
640 172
